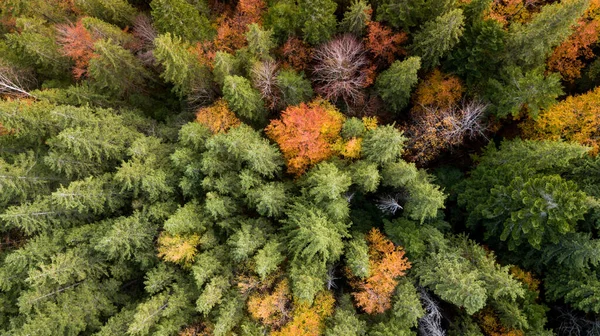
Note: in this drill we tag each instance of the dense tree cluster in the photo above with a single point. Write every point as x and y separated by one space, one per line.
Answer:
282 167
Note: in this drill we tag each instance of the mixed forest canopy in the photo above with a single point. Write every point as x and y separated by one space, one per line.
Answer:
299 167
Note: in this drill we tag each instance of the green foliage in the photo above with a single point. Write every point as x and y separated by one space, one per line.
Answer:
294 87
181 19
116 69
406 15
284 19
357 256
395 84
317 19
243 99
260 42
119 12
437 37
356 18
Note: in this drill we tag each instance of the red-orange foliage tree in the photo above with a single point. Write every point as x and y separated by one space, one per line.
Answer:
568 57
296 54
383 43
306 134
387 263
78 44
231 30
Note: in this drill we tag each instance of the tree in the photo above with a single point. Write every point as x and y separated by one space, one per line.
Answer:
284 19
306 133
272 309
217 117
406 16
294 88
307 319
340 70
383 145
383 43
181 68
181 19
574 119
16 81
115 69
243 99
386 263
119 12
529 45
395 84
231 30
519 91
78 44
317 19
437 37
260 42
297 54
357 18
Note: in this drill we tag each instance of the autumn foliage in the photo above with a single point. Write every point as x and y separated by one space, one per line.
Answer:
78 44
439 90
306 134
568 58
490 324
296 54
231 29
217 117
386 262
577 118
178 249
272 309
308 320
383 43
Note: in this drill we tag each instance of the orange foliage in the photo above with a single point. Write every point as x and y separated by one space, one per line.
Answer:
217 117
231 30
78 44
383 43
198 329
567 57
488 321
438 89
272 309
309 320
296 54
525 277
178 249
387 262
505 11
306 134
577 118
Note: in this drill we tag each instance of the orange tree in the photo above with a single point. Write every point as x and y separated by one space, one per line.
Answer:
306 134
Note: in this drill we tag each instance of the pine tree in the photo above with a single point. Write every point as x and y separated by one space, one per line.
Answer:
356 18
243 99
317 19
437 37
119 12
394 84
181 19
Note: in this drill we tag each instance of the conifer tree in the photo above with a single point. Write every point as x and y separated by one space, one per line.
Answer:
437 37
182 19
317 19
243 99
119 12
395 84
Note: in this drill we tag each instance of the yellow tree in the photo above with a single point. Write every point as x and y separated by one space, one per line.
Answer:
577 118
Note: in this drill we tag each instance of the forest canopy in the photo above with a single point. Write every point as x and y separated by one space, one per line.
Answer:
299 167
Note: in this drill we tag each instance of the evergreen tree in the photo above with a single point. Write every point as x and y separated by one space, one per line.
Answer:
243 99
395 84
317 19
356 18
437 37
182 19
119 12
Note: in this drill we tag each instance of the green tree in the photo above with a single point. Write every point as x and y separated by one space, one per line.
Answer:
294 88
529 45
437 37
243 99
383 145
119 12
260 42
317 19
395 84
182 19
356 18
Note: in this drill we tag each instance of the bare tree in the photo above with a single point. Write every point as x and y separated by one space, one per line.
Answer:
340 70
15 82
389 203
431 323
435 129
264 77
145 32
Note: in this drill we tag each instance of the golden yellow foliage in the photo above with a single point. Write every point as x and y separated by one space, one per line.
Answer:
178 249
217 117
308 320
